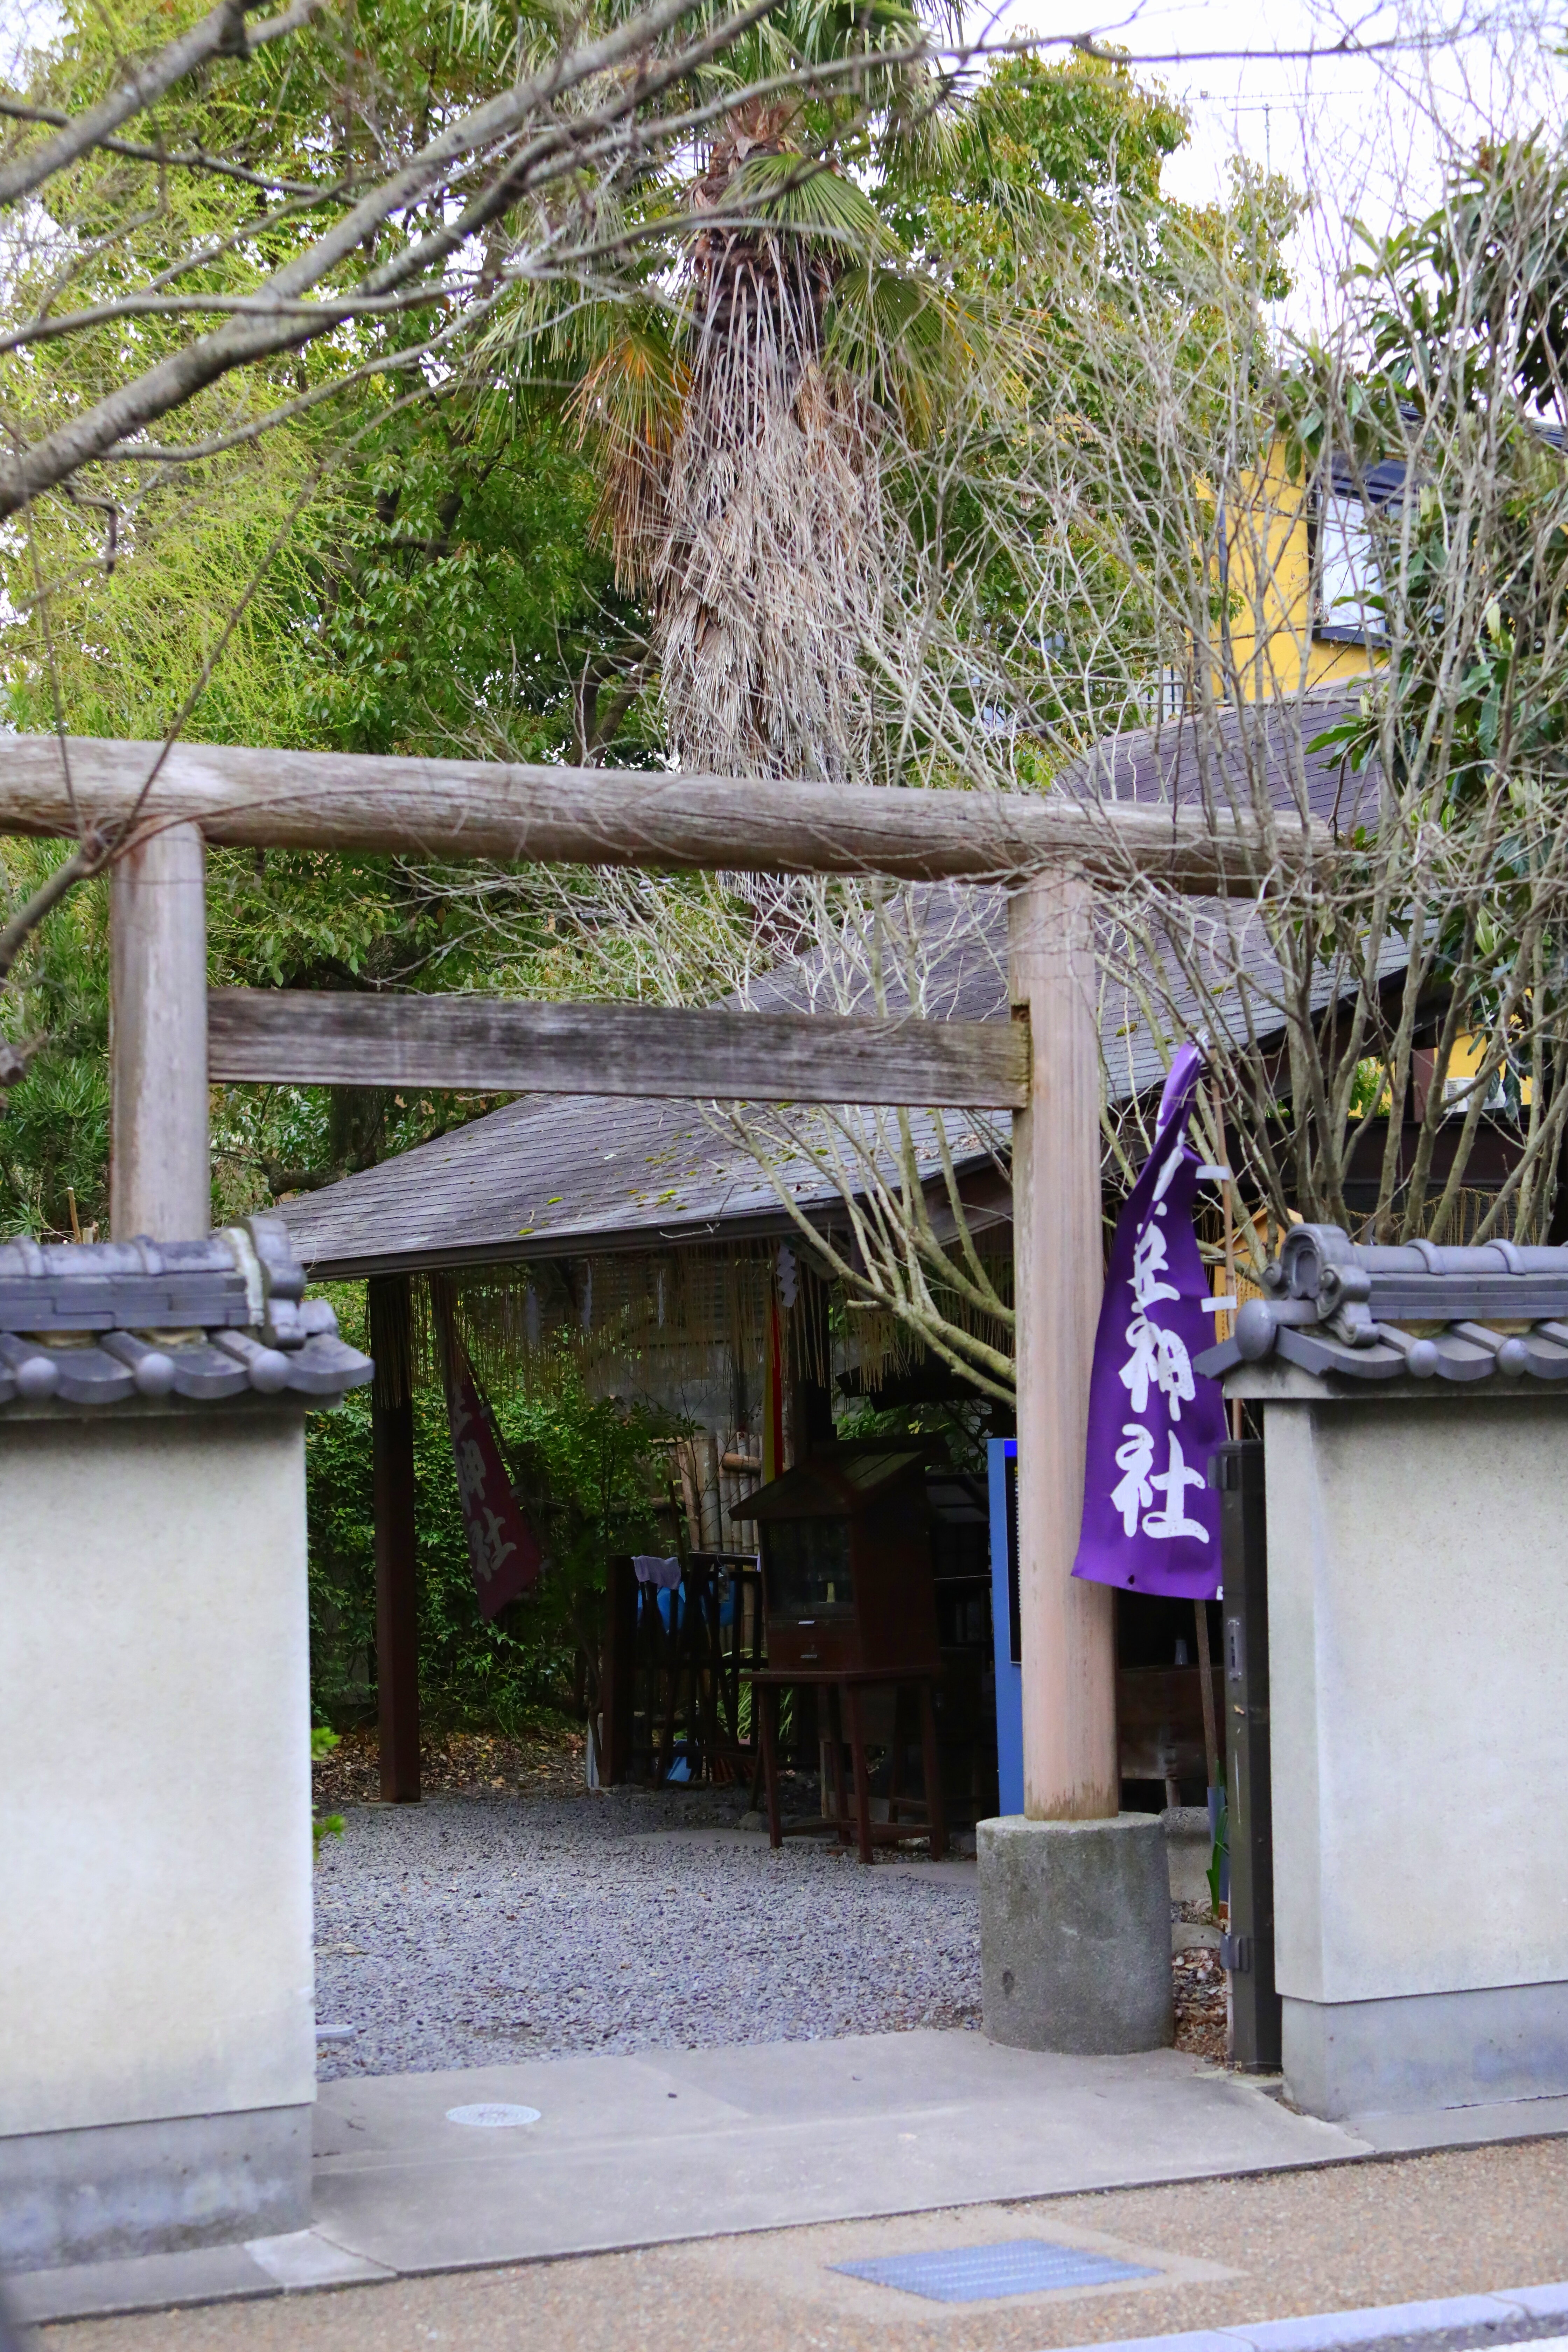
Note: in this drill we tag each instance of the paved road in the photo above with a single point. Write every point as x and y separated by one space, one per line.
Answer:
1224 2251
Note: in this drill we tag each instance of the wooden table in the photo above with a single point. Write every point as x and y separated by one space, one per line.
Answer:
843 1687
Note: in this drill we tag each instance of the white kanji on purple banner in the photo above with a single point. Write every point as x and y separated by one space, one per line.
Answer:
1150 1520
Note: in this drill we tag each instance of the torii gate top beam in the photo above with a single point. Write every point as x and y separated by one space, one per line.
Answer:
459 808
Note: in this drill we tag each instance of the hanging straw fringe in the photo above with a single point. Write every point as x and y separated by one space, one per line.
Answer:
655 1319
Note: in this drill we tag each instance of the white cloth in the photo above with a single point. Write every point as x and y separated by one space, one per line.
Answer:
651 1569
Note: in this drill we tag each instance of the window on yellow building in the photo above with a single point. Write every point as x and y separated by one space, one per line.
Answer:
1346 579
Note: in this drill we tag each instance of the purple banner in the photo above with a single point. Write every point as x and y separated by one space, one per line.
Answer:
1150 1521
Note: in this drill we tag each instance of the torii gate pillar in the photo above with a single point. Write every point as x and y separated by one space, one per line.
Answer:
1074 1893
160 1172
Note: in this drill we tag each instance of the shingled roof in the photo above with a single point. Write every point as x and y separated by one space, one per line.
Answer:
559 1176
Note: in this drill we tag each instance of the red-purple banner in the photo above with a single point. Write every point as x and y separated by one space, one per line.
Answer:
504 1548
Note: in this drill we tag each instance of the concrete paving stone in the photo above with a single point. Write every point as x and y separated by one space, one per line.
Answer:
1315 2332
1274 2245
201 2274
1510 2335
1324 2331
1393 2134
304 2258
683 2143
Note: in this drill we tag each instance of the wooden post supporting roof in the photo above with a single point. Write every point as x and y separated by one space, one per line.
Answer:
396 1534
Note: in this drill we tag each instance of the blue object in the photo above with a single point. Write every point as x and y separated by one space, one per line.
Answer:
984 2273
671 1603
1002 1464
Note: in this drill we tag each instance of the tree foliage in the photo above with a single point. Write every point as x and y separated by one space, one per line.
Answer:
590 1471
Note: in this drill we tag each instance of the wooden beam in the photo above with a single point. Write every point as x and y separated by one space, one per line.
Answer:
1070 1764
458 808
500 1046
160 1179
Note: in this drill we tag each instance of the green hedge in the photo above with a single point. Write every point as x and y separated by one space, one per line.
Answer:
589 1469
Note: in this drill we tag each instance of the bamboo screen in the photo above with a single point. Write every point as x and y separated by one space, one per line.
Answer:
658 1318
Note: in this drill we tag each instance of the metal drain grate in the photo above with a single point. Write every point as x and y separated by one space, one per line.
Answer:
982 2274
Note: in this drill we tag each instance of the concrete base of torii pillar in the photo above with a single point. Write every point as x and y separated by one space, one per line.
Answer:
1075 1899
1075 1933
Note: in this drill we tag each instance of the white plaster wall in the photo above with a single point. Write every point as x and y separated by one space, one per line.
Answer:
1418 1646
155 1902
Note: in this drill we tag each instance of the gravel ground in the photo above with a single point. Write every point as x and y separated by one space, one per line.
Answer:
479 1929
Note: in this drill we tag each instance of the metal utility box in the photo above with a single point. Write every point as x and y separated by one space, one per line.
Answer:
1414 1409
847 1582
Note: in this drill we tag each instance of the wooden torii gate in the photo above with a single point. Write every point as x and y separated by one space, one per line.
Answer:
1045 1066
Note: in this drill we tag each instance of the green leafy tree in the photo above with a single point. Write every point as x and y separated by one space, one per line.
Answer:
588 1470
1467 322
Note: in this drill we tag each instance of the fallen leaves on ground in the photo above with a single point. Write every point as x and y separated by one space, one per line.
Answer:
454 1763
1197 1983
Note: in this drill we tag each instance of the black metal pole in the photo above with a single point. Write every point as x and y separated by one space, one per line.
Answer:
1248 1947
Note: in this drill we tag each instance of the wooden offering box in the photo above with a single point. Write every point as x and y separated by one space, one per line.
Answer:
847 1564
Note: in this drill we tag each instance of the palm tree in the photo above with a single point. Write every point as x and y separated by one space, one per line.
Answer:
741 405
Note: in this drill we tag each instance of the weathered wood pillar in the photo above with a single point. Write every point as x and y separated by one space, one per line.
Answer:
1067 1629
159 1173
397 1556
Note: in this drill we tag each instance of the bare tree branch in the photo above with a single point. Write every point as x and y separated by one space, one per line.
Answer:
192 159
177 379
223 33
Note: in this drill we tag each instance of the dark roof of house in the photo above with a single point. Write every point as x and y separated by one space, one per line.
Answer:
559 1176
1344 1310
99 1323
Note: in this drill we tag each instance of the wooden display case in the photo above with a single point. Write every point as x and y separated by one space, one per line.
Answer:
847 1563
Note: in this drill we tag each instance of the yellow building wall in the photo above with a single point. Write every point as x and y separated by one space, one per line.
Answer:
1268 644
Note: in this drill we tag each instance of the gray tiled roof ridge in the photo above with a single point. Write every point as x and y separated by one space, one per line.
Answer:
98 1323
1414 1310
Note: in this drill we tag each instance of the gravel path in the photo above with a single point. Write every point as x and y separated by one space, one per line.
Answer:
475 1931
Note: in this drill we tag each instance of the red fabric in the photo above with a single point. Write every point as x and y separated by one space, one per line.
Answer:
504 1547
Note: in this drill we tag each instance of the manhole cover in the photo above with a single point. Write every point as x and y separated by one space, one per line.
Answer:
982 2274
493 2115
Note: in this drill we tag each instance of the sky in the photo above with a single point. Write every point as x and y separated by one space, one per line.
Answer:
1365 134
